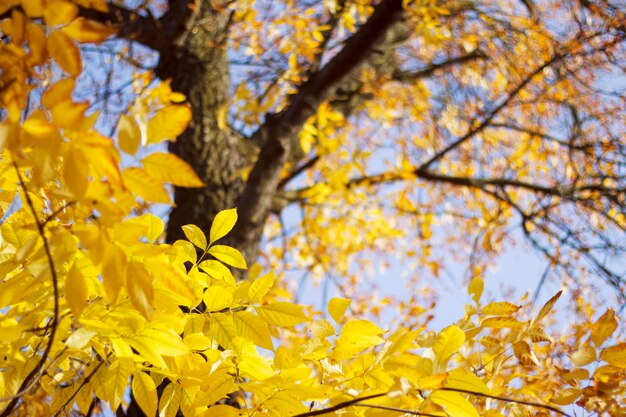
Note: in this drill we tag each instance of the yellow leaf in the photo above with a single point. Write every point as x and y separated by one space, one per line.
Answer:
195 235
538 334
155 226
76 292
547 307
454 404
499 308
187 251
524 353
153 344
65 53
583 356
224 331
260 287
80 338
218 385
59 12
282 314
447 343
76 171
222 224
169 168
116 380
144 391
604 327
220 410
432 382
615 355
337 307
37 125
501 322
251 327
230 256
58 92
465 380
67 114
174 280
113 271
218 271
169 403
129 135
197 341
355 336
566 396
37 44
84 30
378 379
217 298
475 288
139 287
33 8
168 123
253 365
145 186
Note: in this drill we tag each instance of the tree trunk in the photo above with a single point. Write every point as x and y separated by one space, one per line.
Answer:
198 67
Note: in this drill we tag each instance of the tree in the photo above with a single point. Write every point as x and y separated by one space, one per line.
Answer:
449 119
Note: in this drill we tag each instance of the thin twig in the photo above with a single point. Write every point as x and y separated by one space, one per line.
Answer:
35 374
83 383
399 410
339 406
508 400
56 212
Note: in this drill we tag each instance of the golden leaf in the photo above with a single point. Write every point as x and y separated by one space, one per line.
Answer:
65 53
145 186
222 224
337 307
59 12
144 392
282 314
139 287
566 396
604 327
84 30
253 328
195 235
454 404
129 135
499 308
168 123
260 287
169 168
76 292
447 343
615 355
230 256
583 356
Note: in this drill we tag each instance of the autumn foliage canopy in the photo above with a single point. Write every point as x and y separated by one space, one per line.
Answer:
442 132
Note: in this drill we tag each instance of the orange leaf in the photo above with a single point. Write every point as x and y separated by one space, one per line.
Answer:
84 31
65 53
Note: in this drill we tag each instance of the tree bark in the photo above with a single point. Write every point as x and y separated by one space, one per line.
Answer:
197 65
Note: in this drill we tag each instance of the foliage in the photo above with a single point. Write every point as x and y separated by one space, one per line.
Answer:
95 303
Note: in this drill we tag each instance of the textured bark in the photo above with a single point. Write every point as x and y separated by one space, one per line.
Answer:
198 66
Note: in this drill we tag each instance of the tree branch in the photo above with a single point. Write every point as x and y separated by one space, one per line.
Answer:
405 76
34 375
280 131
482 124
